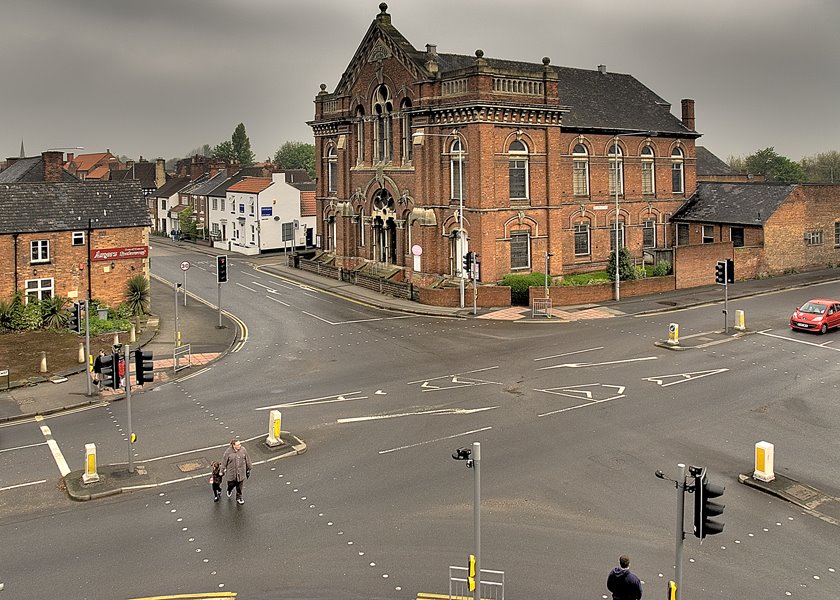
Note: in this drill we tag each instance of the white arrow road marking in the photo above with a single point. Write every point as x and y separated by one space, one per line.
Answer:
682 377
609 362
438 411
448 437
426 384
575 391
568 353
312 401
56 451
20 485
452 375
380 393
356 320
789 339
562 410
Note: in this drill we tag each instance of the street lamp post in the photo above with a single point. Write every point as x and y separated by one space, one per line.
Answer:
473 460
460 243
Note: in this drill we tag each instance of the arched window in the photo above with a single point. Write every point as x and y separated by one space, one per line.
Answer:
332 171
648 179
360 232
405 133
457 164
616 170
580 168
360 135
382 110
518 169
677 172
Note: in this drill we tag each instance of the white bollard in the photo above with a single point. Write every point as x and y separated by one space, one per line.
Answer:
90 476
273 438
674 334
739 320
764 462
43 367
81 353
132 336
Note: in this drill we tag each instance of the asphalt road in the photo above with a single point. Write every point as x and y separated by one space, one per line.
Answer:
573 420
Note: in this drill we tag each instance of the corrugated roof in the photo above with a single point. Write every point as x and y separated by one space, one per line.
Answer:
251 185
735 203
35 207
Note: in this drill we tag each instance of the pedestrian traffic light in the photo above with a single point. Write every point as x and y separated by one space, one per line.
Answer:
730 270
705 509
74 321
468 261
116 359
144 366
108 371
221 269
720 272
471 575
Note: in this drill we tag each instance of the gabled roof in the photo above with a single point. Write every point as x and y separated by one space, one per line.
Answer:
208 185
30 170
251 185
195 184
220 190
41 207
734 203
85 162
144 172
308 205
101 172
709 164
173 186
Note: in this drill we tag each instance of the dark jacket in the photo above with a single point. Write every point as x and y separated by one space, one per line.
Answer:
236 465
624 585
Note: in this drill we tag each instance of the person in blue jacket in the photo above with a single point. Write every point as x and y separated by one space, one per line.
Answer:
621 581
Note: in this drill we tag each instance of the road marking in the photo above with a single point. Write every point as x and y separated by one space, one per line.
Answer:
449 375
277 300
584 405
438 411
23 447
448 437
789 339
271 290
20 485
56 451
578 392
682 377
246 287
568 353
356 320
313 401
196 374
609 362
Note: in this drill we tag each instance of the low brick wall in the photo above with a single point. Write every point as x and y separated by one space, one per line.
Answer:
587 294
488 296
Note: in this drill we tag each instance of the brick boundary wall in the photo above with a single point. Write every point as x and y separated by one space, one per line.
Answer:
585 294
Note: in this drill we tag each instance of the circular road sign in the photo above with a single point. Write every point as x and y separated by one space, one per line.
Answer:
185 265
416 250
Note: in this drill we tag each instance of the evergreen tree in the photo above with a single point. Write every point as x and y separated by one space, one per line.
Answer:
242 146
224 150
296 155
774 166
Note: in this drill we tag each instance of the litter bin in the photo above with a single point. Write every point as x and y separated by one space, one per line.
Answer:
296 260
102 313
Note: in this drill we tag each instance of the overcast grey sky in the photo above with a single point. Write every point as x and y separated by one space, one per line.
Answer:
161 77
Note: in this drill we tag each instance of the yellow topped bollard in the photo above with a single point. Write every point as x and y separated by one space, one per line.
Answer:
273 439
674 334
764 452
90 475
739 321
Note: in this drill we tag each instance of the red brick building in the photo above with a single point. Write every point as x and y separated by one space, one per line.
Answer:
529 149
80 239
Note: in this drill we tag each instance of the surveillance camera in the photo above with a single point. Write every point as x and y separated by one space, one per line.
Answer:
462 454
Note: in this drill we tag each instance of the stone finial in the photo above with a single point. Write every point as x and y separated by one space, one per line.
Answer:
323 89
383 8
546 61
479 53
383 16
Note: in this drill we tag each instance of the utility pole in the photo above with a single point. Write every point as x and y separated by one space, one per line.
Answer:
87 345
128 403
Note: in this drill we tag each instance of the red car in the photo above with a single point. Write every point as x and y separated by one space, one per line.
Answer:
816 315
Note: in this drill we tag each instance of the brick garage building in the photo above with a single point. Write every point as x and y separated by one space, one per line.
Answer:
72 239
534 145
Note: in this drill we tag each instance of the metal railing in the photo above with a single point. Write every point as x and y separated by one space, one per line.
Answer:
492 584
541 307
180 356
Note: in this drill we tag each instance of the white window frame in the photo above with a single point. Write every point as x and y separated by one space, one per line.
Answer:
39 251
622 240
332 171
583 229
677 171
518 161
708 234
78 238
814 237
649 225
39 289
580 170
648 172
616 170
457 160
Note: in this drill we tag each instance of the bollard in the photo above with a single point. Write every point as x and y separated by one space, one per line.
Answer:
273 438
90 475
764 462
116 339
674 334
132 336
81 353
739 320
43 362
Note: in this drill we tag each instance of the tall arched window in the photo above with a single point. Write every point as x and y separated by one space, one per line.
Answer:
677 171
518 169
457 167
360 232
648 179
382 109
332 171
405 133
360 135
580 168
616 169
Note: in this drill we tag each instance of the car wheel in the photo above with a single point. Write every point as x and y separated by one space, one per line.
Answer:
824 328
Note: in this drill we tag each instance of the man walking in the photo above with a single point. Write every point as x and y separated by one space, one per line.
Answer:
237 464
623 584
97 369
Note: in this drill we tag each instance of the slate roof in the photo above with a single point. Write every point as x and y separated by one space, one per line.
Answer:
734 203
195 185
144 172
173 186
41 207
220 190
30 170
251 185
205 186
709 164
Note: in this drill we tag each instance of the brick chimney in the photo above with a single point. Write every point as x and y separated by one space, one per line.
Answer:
160 172
688 113
53 165
196 169
70 157
232 168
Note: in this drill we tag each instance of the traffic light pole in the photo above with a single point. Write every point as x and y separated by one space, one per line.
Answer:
128 403
219 303
87 345
680 533
476 458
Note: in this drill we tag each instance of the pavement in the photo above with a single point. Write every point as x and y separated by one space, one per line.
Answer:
208 342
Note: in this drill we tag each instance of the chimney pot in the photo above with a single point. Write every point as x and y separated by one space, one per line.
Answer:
688 113
602 69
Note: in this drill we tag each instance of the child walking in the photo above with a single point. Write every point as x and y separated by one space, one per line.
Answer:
216 480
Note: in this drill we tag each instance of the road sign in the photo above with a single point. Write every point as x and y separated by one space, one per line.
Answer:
185 265
4 373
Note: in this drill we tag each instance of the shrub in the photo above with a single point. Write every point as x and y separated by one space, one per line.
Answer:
28 317
625 265
591 278
519 285
661 269
137 294
54 312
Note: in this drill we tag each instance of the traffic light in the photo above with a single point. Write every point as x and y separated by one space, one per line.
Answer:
730 270
720 272
705 509
221 269
468 261
108 371
144 366
471 575
74 321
